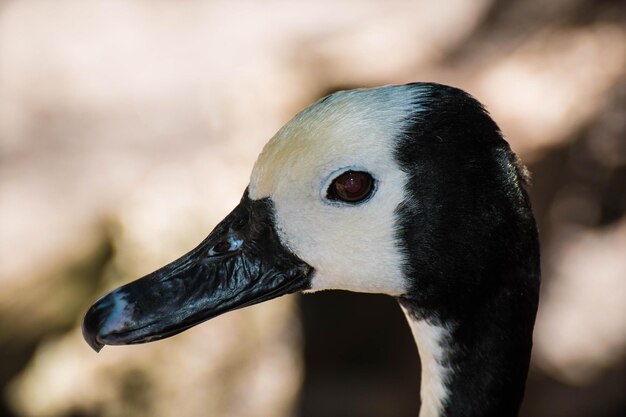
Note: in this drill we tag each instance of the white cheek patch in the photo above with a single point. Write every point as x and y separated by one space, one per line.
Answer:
351 247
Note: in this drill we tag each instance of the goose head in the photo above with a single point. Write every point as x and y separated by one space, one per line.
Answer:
407 190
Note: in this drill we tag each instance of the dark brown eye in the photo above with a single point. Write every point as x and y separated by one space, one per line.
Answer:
351 187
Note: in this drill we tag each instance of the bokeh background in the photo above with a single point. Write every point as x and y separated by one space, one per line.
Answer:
129 128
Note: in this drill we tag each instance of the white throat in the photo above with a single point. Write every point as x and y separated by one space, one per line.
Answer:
431 340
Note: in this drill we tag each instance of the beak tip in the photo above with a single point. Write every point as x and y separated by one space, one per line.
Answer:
97 347
90 329
92 340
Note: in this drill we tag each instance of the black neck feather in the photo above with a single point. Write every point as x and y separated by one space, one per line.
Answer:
486 354
474 267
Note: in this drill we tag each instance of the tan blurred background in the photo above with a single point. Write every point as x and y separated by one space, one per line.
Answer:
129 128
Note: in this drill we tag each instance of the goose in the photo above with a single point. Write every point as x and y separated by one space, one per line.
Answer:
406 190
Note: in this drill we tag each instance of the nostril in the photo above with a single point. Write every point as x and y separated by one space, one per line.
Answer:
225 246
221 247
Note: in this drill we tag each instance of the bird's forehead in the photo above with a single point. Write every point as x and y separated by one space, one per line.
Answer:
349 128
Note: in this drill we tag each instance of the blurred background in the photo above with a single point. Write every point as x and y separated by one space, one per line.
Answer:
129 128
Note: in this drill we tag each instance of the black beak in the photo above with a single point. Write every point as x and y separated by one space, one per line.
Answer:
241 263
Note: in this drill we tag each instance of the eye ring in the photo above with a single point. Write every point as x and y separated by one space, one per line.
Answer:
351 187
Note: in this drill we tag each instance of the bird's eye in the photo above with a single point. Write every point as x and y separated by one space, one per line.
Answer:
351 187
